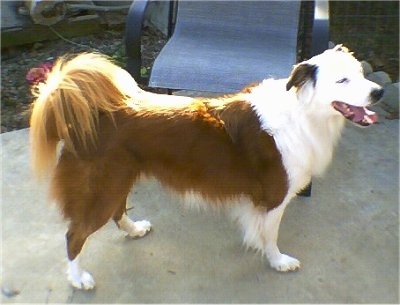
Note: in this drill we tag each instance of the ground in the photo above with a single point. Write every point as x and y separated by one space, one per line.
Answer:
16 62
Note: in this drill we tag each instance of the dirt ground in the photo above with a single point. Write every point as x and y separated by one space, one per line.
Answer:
16 62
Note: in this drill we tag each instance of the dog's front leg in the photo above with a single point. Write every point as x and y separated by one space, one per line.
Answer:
277 260
260 231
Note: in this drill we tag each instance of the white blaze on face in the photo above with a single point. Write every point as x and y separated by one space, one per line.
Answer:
340 78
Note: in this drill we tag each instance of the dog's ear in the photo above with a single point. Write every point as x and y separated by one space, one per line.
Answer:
302 73
341 48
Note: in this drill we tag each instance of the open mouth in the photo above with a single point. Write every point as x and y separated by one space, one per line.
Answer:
359 115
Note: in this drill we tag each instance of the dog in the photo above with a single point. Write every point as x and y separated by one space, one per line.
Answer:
95 132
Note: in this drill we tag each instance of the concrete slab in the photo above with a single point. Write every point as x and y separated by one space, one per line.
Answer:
346 236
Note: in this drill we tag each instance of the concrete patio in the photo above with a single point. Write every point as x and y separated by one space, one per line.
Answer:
346 236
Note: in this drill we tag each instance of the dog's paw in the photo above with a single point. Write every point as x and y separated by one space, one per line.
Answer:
134 228
83 280
285 263
139 228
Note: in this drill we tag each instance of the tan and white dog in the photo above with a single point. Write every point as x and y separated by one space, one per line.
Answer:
248 152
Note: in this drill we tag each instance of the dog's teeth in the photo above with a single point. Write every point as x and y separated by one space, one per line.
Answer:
368 120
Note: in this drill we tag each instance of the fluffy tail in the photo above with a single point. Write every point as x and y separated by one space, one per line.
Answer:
68 105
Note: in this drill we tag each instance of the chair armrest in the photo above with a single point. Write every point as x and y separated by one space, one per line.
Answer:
133 34
320 32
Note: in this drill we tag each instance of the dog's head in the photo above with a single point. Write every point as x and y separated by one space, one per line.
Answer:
333 83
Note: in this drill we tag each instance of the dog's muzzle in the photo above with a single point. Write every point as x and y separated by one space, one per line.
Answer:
358 115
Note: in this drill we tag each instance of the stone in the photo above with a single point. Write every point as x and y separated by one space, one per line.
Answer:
157 15
379 77
367 68
390 100
9 291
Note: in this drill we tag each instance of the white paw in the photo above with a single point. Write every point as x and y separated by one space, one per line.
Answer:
284 263
134 228
84 280
139 228
79 278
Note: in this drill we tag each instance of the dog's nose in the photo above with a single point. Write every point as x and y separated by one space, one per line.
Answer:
376 95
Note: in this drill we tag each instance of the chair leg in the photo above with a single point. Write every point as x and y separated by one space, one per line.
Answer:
133 35
306 192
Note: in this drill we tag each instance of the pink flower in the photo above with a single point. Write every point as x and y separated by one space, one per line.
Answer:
39 74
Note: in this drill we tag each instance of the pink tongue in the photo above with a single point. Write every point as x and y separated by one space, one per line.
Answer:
358 115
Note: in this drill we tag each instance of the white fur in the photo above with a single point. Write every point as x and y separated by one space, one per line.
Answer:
134 228
305 139
195 201
334 66
259 227
260 231
79 278
306 129
303 122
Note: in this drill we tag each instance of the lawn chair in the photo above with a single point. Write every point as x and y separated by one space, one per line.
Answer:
222 46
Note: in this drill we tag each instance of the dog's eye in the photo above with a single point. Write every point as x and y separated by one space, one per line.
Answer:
343 80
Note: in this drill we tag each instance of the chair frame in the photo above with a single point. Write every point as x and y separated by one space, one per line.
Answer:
136 16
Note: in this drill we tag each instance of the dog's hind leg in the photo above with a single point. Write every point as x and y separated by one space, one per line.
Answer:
88 201
76 238
74 187
95 215
90 194
133 228
98 216
260 231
